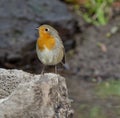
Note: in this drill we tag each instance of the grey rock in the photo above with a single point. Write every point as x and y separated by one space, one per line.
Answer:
24 95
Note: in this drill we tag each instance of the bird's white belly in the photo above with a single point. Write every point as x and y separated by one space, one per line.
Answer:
49 57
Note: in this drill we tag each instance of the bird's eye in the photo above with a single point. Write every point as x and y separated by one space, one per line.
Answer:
46 29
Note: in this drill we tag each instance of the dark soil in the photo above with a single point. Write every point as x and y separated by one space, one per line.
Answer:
97 53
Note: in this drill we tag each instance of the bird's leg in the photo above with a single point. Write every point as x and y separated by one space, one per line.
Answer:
55 69
43 69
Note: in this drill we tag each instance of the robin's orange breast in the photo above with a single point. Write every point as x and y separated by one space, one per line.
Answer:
44 42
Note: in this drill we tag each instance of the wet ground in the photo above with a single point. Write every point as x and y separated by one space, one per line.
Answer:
93 99
93 77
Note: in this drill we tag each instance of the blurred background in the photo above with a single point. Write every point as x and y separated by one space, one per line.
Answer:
90 30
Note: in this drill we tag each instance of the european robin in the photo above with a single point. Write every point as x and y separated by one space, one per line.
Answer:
49 47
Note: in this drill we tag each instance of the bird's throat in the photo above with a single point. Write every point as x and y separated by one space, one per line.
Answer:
46 42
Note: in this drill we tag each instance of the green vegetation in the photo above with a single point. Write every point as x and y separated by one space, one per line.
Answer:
91 111
108 89
96 112
96 12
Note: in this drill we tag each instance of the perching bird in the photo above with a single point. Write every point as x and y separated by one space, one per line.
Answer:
49 47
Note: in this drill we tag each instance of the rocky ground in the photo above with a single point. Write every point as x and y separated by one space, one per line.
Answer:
93 77
26 95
